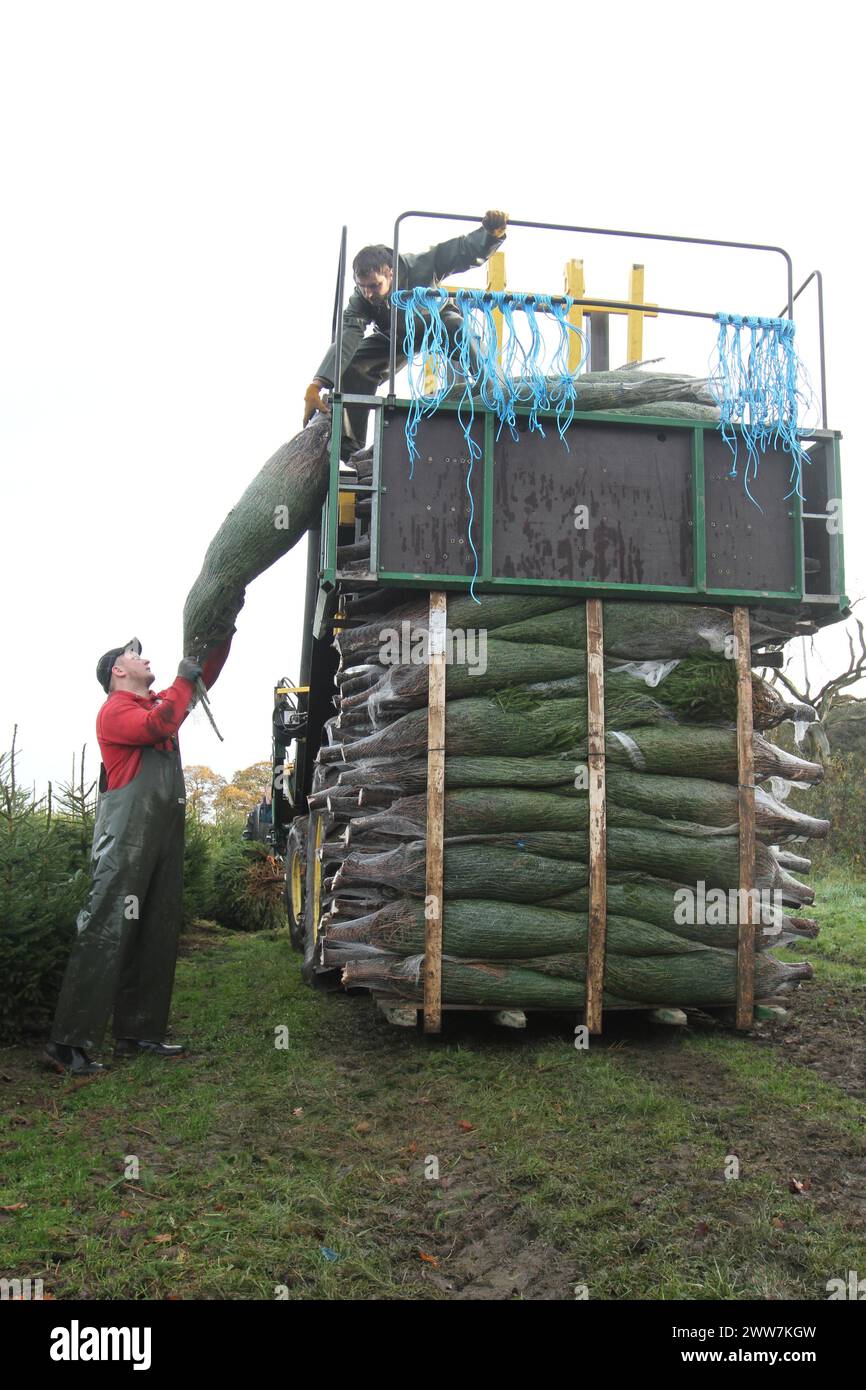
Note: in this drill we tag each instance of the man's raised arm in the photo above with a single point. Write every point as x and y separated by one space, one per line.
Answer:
466 252
126 721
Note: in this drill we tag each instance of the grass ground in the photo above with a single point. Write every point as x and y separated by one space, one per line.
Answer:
361 1161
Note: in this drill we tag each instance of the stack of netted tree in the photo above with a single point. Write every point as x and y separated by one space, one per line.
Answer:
516 872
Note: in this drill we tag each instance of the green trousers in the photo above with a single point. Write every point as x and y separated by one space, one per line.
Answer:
124 954
367 370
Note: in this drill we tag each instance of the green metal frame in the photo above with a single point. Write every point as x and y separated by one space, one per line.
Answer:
839 556
486 580
331 509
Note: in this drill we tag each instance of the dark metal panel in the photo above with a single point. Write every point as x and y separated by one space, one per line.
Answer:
424 520
818 551
748 548
599 342
817 476
636 485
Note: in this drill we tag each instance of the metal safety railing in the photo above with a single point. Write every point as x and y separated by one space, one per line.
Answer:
594 231
593 302
339 296
819 279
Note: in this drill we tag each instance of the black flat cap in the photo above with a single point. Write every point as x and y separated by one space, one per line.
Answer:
105 663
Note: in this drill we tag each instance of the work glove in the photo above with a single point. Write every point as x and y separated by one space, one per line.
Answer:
313 401
189 670
495 222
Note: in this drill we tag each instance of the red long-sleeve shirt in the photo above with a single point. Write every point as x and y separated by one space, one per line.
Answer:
126 723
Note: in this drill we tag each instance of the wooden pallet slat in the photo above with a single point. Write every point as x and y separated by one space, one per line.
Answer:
597 816
435 815
746 780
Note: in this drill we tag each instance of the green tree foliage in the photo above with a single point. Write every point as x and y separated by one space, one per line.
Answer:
43 885
845 724
247 885
841 798
197 888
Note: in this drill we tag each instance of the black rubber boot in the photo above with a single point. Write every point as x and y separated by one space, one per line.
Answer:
73 1060
140 1047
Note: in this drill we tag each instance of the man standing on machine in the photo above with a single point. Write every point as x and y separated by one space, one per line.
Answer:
365 358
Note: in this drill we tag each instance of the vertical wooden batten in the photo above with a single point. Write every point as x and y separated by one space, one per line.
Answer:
746 779
597 816
435 815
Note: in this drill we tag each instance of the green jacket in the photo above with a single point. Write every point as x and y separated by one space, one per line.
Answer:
423 268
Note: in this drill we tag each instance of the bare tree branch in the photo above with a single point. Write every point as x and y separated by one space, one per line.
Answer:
855 671
791 688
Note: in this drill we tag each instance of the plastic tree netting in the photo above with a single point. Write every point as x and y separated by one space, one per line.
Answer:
516 866
281 503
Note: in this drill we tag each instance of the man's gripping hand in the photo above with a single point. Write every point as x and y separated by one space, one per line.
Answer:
189 670
314 400
495 222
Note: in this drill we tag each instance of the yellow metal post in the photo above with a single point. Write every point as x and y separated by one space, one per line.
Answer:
635 318
575 288
429 377
496 281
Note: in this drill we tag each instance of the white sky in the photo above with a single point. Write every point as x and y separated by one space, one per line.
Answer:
174 179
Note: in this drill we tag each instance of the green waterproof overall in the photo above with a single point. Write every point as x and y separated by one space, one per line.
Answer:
123 958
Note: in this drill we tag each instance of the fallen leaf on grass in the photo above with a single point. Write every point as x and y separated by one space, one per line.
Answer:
466 1126
778 1223
363 1127
796 1186
16 1206
161 1240
299 1110
413 1147
128 1213
701 1230
428 1259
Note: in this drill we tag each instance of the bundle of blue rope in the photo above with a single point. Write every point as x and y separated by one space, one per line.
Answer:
755 377
536 374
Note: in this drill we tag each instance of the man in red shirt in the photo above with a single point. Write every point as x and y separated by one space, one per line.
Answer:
123 958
